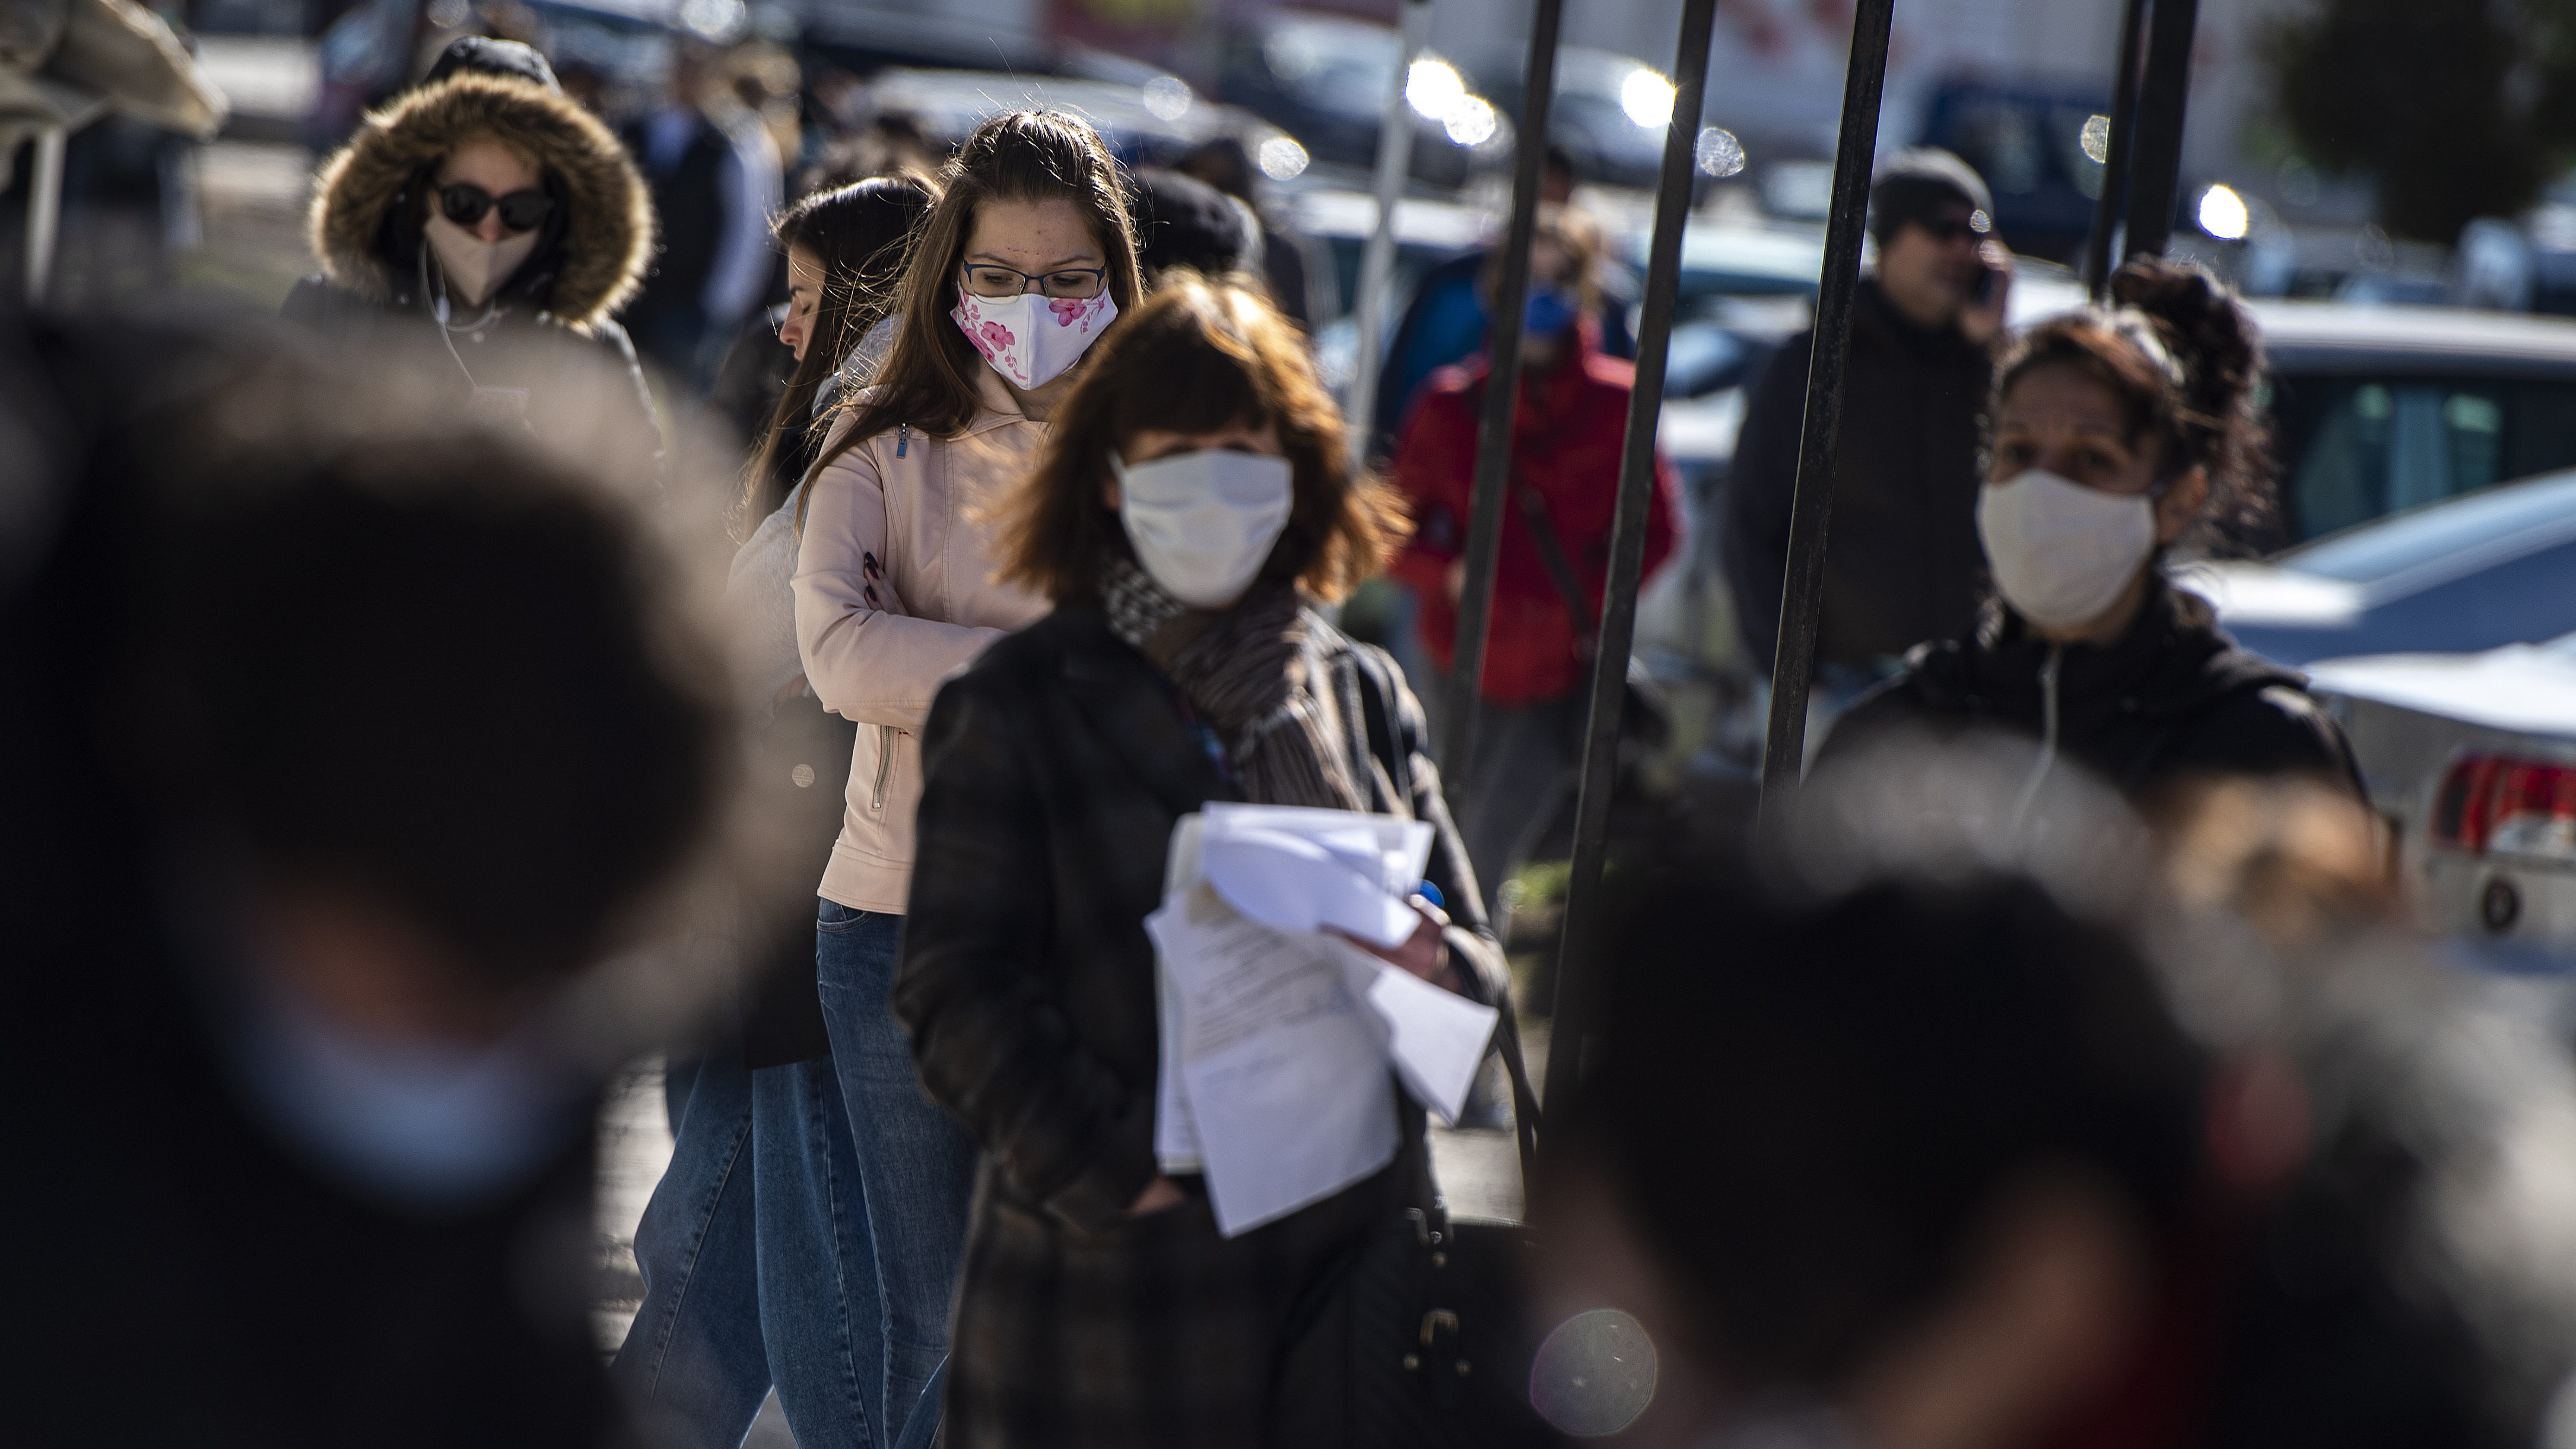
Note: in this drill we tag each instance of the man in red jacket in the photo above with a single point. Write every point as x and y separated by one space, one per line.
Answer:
1566 439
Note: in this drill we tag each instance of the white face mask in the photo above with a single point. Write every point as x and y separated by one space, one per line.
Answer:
1203 522
435 1124
2062 552
1032 339
475 268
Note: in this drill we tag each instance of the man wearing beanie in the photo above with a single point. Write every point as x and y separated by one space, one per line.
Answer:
1902 561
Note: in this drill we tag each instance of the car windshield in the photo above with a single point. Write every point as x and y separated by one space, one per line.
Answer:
2544 507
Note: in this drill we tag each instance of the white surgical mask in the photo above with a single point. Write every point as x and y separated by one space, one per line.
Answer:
2062 552
433 1124
475 268
1203 522
1032 339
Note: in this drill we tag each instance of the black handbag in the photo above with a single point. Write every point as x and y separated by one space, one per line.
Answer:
1418 1338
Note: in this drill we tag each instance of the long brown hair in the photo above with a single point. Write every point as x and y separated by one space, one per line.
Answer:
1200 356
929 377
859 234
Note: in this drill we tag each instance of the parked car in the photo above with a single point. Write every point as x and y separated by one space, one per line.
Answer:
2377 409
2472 757
2465 574
1146 125
1610 111
1325 78
2027 140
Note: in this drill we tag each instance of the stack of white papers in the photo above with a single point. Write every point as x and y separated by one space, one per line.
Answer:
1277 1037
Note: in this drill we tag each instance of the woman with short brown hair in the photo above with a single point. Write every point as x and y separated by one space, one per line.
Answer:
1193 503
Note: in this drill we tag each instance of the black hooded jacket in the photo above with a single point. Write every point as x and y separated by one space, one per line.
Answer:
2172 700
1902 559
555 337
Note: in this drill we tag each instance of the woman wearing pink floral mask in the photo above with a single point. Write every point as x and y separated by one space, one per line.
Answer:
1025 260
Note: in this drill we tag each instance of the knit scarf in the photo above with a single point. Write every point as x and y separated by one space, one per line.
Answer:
1245 670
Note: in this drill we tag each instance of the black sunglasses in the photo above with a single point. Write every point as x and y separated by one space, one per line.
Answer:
464 203
1952 228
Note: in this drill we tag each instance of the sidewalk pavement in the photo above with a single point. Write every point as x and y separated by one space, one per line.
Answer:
1479 1173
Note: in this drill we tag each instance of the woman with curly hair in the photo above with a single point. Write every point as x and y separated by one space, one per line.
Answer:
2115 435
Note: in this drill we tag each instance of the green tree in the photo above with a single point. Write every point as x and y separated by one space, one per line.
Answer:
2456 108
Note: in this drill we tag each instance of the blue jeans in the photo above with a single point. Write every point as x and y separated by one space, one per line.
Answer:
757 1269
916 1163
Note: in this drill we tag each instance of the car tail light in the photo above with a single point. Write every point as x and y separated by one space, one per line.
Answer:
2507 805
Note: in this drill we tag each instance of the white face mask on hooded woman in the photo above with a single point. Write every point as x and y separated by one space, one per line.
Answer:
1203 523
475 268
2062 552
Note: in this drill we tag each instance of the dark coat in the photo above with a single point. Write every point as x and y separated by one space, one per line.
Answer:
1902 559
2175 699
1055 770
556 337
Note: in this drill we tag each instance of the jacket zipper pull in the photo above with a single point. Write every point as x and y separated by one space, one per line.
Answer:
902 438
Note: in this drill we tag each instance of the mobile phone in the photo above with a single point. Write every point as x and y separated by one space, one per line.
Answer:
1988 278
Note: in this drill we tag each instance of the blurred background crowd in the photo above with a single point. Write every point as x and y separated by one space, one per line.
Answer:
2305 1175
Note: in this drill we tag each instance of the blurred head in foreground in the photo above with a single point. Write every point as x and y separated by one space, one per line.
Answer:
374 759
1895 1162
422 736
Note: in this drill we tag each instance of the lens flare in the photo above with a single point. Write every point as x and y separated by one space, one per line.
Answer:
1471 122
1595 1374
1168 97
1281 157
1432 88
1647 98
2222 214
2096 139
1718 152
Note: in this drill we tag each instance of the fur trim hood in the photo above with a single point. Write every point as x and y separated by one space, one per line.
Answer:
598 255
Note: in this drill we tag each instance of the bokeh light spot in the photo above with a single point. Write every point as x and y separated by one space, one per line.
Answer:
2222 214
1168 97
1281 157
1647 98
1718 152
1595 1374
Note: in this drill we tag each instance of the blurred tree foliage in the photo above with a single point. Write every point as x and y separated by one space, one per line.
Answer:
2457 108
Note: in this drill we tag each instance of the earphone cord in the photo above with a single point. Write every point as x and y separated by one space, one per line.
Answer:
438 314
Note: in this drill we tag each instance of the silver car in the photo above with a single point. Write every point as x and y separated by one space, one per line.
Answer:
2473 758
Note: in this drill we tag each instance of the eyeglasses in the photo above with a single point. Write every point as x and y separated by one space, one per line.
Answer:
985 279
464 203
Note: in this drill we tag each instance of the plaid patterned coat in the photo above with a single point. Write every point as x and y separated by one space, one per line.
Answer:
1056 768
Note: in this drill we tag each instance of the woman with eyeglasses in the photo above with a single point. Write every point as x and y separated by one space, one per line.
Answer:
1026 259
482 231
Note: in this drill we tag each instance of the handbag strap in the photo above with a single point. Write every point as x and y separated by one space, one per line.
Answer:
1551 546
1507 1030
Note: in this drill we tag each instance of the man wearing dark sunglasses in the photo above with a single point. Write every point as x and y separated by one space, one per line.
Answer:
1902 561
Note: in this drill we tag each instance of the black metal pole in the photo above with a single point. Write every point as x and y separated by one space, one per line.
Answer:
1855 149
2158 177
1502 397
1627 549
2115 161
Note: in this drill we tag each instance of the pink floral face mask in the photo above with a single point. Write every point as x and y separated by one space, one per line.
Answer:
1031 339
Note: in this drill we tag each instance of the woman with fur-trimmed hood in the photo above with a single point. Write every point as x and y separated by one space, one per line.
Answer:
486 228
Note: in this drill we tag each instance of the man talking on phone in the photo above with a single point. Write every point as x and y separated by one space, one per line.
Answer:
1902 561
